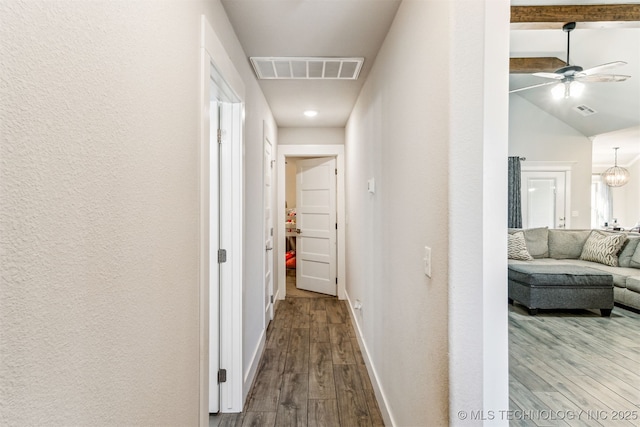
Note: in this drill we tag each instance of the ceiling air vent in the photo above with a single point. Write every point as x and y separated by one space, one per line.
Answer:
584 110
286 68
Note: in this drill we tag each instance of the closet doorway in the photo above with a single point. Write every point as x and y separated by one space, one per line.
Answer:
311 219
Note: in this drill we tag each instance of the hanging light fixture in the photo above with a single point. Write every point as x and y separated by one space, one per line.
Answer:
616 176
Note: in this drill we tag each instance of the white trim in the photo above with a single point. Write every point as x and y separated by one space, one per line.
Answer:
213 55
381 397
253 366
284 151
546 166
203 249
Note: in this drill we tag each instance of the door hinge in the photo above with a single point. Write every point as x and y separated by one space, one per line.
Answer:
336 280
222 376
336 225
273 162
222 256
219 136
271 299
336 171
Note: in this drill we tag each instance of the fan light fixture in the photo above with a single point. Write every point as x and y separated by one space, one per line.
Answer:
568 79
616 176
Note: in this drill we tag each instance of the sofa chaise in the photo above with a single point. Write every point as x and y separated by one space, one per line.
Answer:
561 268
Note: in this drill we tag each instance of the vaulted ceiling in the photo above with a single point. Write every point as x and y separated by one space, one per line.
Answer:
357 28
604 33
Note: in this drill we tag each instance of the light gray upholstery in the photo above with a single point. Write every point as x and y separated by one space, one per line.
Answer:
567 244
628 250
564 250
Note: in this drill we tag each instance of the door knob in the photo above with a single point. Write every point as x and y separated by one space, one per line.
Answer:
298 231
269 248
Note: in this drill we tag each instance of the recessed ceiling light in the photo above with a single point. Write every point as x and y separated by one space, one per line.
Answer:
310 113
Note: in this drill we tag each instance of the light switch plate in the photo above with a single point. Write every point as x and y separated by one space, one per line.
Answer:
371 185
427 261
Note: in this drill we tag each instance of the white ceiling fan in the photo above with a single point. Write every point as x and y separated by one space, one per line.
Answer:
569 79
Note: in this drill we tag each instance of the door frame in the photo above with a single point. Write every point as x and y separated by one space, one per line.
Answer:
336 151
214 62
554 166
266 139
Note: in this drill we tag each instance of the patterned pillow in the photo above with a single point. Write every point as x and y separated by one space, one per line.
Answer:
517 247
603 247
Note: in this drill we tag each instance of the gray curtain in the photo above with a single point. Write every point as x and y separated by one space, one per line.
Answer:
515 208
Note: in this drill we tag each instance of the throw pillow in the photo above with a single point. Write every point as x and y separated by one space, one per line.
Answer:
635 259
603 247
517 247
628 249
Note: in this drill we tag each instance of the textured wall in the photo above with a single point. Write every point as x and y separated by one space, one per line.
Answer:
420 128
398 135
98 212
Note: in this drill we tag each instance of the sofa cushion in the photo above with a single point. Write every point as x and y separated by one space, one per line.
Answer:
635 259
633 283
565 244
517 247
537 241
619 274
628 249
603 247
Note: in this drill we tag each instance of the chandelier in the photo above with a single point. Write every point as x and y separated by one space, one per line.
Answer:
616 176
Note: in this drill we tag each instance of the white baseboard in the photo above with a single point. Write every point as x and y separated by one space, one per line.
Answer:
373 375
253 367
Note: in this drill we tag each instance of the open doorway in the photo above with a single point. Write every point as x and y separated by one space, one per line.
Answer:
325 235
311 225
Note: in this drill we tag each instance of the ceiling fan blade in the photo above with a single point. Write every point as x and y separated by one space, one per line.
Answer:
598 68
549 75
532 86
601 78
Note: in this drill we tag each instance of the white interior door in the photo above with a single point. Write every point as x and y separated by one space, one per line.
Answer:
316 222
543 199
268 232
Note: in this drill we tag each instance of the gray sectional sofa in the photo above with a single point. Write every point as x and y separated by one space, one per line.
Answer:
585 254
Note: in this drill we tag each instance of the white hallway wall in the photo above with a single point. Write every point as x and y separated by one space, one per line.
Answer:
311 136
539 136
99 212
419 130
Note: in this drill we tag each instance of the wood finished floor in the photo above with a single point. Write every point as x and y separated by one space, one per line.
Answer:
565 362
312 372
562 364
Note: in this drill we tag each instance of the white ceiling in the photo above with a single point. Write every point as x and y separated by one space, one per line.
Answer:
338 28
617 121
357 28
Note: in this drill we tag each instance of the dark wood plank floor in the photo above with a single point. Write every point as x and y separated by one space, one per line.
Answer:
566 368
574 368
312 372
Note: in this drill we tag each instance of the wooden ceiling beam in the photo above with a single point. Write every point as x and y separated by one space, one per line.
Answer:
587 16
534 65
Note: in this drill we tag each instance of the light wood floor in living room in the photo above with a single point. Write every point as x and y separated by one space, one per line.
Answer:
574 368
312 372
